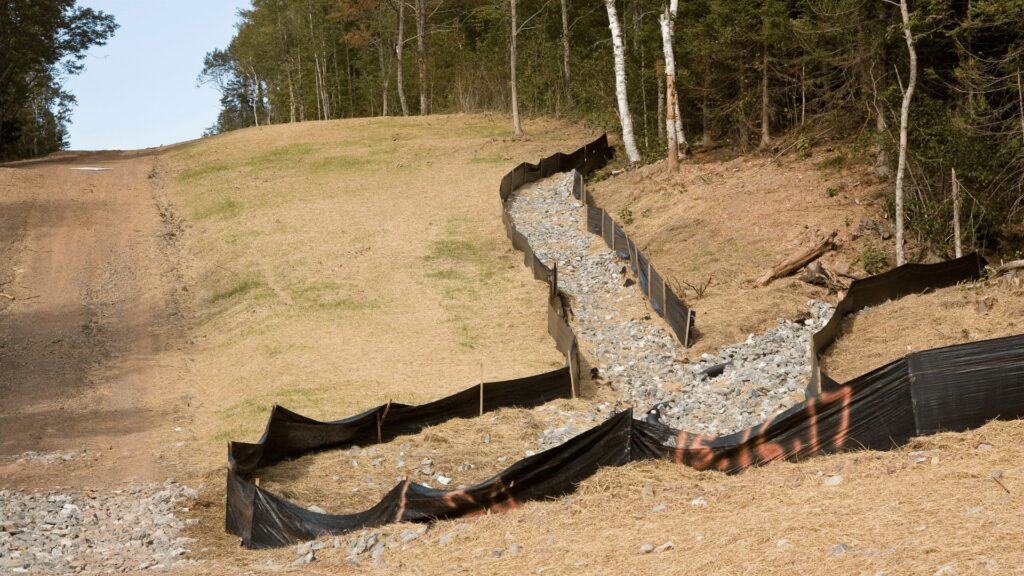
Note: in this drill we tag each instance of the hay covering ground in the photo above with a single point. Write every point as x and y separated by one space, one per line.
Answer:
283 334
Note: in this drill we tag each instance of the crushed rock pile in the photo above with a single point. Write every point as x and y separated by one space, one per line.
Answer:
89 532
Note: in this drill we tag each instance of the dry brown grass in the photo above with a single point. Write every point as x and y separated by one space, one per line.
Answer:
953 315
896 516
467 451
731 221
337 265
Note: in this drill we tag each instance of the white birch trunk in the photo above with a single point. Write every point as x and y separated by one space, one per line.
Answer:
619 49
399 47
901 165
670 68
671 121
517 123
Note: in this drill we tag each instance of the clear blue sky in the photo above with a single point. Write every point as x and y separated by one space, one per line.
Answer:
140 89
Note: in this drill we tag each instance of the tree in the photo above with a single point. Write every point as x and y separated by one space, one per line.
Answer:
908 93
42 42
517 124
399 45
619 51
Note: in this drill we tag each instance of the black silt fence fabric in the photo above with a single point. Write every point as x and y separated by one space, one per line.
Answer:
595 217
601 223
949 388
263 519
879 410
641 272
890 285
657 295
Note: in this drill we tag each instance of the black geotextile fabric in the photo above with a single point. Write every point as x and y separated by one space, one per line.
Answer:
263 519
664 301
949 388
891 285
918 394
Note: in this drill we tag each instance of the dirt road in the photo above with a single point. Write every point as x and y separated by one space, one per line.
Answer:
88 320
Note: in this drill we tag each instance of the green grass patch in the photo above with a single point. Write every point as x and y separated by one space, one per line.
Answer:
223 208
193 175
329 296
290 156
239 288
247 417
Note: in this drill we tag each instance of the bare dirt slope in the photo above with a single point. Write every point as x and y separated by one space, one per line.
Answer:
721 223
87 322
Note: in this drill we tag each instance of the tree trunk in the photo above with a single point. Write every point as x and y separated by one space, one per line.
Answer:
667 37
399 46
621 94
803 95
566 74
659 73
421 53
901 165
1020 102
383 78
291 97
766 138
670 93
517 124
705 105
959 251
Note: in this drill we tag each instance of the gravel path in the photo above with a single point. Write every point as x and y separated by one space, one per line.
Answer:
636 355
88 532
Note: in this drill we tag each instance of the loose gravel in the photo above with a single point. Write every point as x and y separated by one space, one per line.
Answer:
91 532
635 354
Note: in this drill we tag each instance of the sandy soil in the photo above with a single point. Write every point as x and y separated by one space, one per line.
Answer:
89 325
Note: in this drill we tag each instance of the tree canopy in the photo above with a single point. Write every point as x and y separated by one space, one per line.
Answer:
42 42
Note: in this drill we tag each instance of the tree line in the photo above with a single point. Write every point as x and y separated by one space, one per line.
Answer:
42 42
675 75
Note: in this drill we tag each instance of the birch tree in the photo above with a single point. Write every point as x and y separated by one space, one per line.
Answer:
619 51
901 165
668 25
517 124
399 45
671 121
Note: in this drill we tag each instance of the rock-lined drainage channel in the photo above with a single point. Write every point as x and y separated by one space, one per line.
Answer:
640 360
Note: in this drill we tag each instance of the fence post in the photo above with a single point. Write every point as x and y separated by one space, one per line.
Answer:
481 398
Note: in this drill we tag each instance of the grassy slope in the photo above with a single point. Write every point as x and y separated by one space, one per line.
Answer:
285 315
337 265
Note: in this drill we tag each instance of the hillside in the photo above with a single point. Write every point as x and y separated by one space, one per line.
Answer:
334 266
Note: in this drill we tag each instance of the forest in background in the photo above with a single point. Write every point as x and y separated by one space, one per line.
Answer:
42 42
747 71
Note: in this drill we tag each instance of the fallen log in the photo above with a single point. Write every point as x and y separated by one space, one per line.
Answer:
1014 265
798 260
